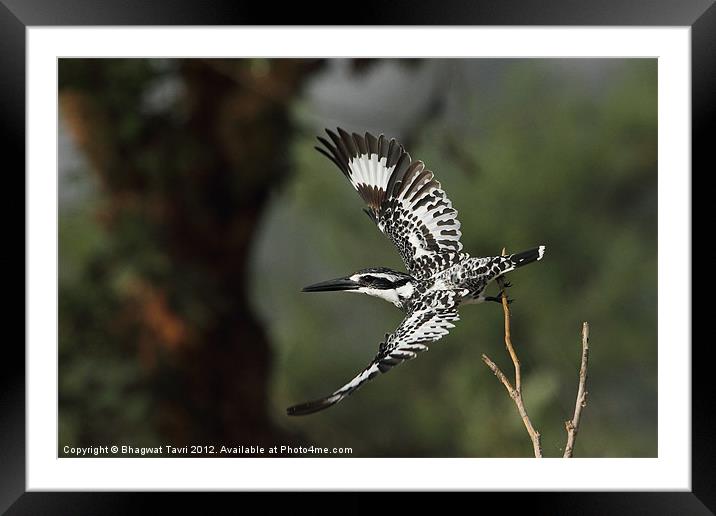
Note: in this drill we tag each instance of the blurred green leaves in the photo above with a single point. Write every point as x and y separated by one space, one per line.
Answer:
546 160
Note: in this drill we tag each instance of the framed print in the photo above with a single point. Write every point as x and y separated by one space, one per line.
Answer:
193 232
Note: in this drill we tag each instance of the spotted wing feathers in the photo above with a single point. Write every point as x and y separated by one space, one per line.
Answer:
403 198
430 320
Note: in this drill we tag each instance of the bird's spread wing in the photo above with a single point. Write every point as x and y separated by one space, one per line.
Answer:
403 197
430 319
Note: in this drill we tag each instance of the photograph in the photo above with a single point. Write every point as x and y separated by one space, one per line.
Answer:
255 256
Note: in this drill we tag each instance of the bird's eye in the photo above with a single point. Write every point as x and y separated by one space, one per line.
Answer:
376 282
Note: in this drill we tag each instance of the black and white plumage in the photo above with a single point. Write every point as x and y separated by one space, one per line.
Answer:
408 205
403 199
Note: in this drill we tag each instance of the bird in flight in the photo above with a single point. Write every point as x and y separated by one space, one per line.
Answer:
408 205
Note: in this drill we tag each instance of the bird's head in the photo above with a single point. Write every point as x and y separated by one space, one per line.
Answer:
381 282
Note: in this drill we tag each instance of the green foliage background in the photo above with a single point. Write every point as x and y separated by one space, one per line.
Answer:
546 160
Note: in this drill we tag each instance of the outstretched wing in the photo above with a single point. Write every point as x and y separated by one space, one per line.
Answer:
429 321
404 199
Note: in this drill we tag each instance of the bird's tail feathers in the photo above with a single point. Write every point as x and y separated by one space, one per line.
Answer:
504 264
525 257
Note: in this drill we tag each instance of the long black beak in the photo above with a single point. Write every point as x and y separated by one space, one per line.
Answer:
331 285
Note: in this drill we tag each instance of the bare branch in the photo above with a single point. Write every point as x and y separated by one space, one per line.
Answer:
516 392
508 335
572 425
500 375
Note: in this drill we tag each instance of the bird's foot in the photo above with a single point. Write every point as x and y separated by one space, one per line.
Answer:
504 293
498 299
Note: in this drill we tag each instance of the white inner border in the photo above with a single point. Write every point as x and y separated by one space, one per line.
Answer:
670 471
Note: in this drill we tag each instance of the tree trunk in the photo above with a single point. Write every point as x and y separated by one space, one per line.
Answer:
190 183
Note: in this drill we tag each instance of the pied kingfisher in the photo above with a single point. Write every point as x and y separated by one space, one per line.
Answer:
407 203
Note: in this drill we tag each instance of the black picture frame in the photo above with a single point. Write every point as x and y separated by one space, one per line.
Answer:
17 15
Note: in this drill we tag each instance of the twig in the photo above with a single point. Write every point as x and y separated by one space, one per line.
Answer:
516 391
572 425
